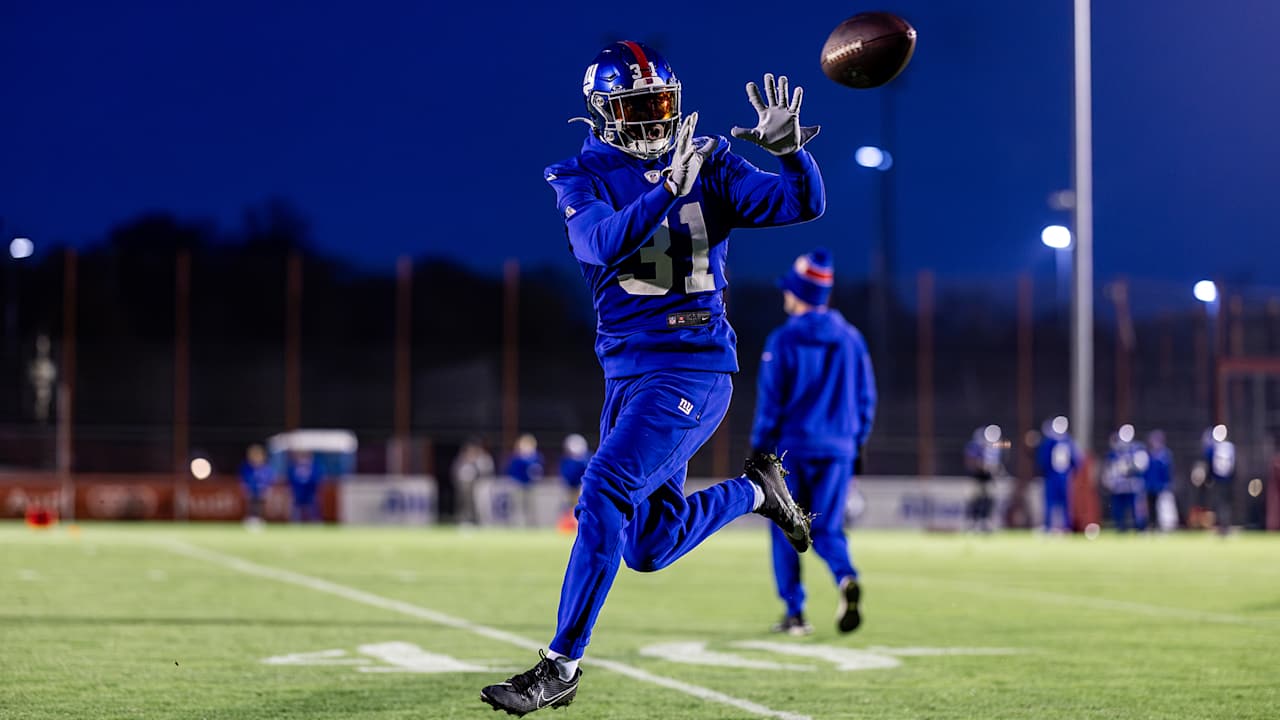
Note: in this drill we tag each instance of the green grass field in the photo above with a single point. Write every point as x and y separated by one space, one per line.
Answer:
165 621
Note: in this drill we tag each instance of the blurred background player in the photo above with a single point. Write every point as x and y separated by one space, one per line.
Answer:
1157 481
1220 458
648 208
984 457
305 476
1059 458
1123 475
815 404
256 478
525 468
472 463
573 463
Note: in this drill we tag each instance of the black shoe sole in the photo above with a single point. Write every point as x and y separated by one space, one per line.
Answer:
851 618
496 706
783 510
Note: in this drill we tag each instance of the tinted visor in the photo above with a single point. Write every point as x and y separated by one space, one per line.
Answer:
646 107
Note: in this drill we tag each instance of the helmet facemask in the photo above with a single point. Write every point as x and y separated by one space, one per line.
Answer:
641 121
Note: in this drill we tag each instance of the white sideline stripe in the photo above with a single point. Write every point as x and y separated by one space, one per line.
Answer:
1097 603
360 596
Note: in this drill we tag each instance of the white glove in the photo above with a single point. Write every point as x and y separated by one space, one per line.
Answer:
687 158
778 130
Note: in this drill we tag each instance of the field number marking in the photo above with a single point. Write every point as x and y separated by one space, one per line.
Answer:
843 658
356 595
398 656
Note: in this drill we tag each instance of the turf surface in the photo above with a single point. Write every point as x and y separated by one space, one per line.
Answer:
166 621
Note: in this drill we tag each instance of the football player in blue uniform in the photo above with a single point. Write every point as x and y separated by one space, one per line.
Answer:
648 207
573 464
305 475
815 403
984 457
256 476
1059 458
1220 457
1157 479
1123 476
525 468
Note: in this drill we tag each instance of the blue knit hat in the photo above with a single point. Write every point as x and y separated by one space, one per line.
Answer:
811 277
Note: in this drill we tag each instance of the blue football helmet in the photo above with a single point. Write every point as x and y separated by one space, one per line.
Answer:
633 99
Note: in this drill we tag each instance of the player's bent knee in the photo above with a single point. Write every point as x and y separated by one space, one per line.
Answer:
644 561
602 510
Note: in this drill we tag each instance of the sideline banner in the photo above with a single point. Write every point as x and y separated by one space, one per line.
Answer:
147 497
502 501
388 500
883 502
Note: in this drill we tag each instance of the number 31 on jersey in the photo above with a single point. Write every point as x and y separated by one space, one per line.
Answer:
659 280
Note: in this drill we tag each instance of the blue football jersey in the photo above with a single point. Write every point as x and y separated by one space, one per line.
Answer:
656 263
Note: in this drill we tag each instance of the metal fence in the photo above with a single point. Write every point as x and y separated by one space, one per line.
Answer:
112 365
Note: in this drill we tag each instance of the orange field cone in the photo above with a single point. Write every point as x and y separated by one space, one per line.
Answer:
568 523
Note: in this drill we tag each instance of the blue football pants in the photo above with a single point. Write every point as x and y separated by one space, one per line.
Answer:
1056 501
633 505
820 486
1123 511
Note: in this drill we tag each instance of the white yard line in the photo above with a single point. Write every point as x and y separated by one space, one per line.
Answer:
417 611
1096 603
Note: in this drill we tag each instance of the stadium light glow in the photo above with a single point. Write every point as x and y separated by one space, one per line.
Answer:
1126 433
1206 291
992 433
201 468
1219 433
870 156
1057 237
21 248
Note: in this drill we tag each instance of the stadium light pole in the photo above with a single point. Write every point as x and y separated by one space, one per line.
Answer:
1082 250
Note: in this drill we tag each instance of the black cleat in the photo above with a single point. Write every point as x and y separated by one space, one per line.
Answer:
533 689
793 625
765 469
848 612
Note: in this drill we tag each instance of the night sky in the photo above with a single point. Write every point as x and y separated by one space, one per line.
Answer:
423 128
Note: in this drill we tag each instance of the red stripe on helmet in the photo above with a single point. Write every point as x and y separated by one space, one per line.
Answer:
643 61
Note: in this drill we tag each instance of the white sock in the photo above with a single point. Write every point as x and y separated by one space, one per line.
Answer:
759 492
567 666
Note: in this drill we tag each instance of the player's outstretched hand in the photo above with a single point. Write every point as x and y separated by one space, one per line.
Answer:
687 157
778 130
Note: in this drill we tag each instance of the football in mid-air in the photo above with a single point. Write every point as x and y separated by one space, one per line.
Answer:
868 50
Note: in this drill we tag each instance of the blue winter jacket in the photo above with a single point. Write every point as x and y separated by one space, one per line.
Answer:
816 393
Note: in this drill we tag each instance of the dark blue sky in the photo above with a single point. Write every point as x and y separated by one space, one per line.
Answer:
422 128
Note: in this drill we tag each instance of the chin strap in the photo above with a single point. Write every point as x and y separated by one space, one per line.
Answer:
581 120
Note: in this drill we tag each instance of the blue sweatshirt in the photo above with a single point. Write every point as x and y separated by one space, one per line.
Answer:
1159 470
525 469
816 393
655 263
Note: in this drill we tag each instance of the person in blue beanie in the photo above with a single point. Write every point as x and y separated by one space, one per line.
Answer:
815 404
